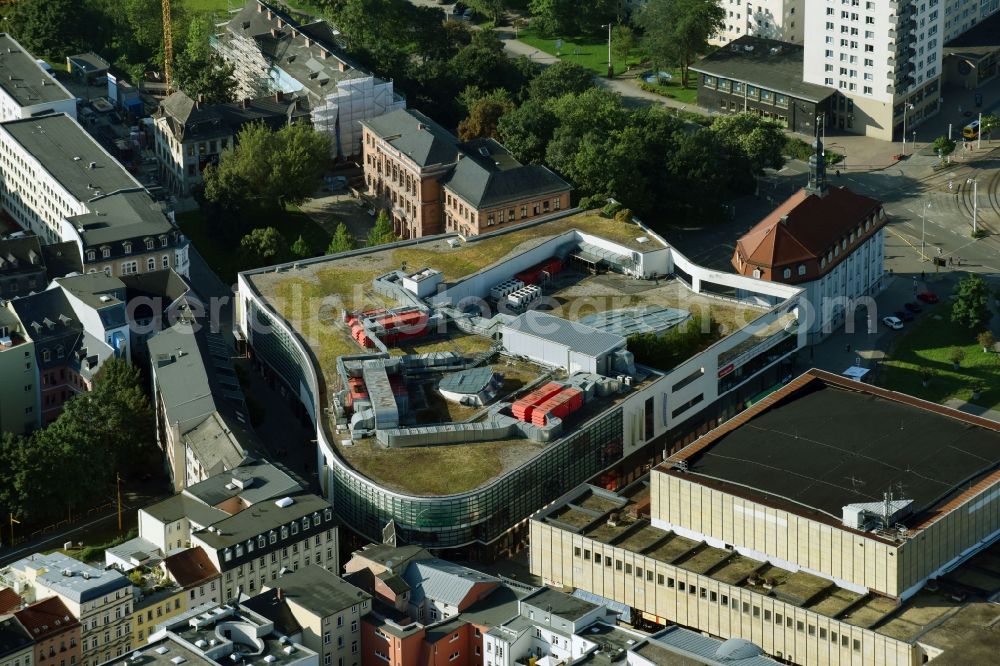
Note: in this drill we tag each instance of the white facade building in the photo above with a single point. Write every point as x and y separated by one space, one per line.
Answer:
827 241
26 89
884 58
774 19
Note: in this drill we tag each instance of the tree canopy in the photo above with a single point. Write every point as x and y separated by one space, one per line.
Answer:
971 307
198 71
341 241
267 170
676 32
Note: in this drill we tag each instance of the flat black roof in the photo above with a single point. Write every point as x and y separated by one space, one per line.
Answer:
981 40
824 446
766 63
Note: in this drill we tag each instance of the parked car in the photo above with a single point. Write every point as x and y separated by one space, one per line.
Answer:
913 307
892 322
905 315
928 297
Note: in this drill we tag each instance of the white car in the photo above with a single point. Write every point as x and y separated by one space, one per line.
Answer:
895 323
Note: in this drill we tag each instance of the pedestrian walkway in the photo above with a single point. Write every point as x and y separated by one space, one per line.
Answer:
976 410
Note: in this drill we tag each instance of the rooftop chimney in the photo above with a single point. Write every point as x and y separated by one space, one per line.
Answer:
279 96
246 102
280 593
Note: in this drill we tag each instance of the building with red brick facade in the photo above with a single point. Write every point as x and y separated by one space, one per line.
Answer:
432 183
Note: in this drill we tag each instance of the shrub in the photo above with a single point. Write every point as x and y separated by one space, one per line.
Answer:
986 340
611 208
955 355
624 216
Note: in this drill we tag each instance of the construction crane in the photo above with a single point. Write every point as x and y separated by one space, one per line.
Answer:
168 47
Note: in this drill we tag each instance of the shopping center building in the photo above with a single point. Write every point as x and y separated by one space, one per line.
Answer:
831 523
459 384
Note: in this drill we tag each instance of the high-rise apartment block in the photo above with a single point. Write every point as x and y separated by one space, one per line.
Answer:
884 58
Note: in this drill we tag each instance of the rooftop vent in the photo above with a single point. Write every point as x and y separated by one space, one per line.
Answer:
92 165
105 298
161 650
284 502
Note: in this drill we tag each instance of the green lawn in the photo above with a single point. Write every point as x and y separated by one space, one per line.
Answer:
927 346
225 258
590 52
673 87
222 6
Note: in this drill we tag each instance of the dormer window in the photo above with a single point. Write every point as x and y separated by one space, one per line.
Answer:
91 255
843 244
60 352
46 355
852 237
802 269
163 241
756 273
149 244
787 273
127 247
105 252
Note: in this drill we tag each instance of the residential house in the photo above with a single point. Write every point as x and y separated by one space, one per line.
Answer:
56 633
191 135
827 240
100 599
253 522
17 648
327 609
432 183
27 265
203 425
272 52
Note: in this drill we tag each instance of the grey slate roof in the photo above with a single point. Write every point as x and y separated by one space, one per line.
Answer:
180 506
393 557
443 581
261 480
190 121
317 75
23 79
780 71
13 636
62 259
260 518
319 591
201 393
578 337
496 178
417 136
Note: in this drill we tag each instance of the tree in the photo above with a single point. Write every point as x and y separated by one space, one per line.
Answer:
264 246
677 31
943 146
989 123
198 71
527 130
484 115
51 27
986 340
267 170
342 240
622 42
492 9
300 248
571 17
971 308
382 232
762 142
558 79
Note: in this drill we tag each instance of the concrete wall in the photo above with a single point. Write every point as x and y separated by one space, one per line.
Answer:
708 605
851 559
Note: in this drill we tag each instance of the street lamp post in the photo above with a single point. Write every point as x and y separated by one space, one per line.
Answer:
923 229
975 201
611 71
979 134
905 108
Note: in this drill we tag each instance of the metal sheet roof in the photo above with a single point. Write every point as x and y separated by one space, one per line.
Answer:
575 335
442 581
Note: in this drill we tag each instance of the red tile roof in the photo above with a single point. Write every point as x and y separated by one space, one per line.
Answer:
9 600
804 228
47 617
190 567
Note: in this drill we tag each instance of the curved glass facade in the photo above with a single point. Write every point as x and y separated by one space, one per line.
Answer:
484 514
